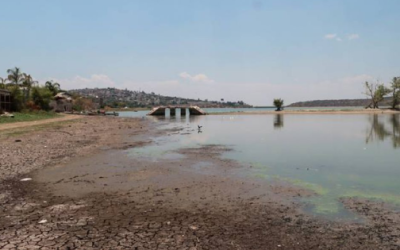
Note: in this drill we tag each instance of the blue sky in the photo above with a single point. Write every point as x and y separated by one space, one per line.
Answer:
237 50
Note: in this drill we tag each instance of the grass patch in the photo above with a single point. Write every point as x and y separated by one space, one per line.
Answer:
21 131
29 116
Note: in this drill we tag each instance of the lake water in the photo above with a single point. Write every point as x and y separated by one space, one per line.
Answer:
143 113
335 155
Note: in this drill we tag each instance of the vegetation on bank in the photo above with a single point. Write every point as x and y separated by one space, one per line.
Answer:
121 98
28 95
28 116
278 103
378 94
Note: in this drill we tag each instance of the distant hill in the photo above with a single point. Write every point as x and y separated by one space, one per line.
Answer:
338 103
119 98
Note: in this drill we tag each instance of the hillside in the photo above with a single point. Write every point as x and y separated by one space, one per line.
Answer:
118 98
338 103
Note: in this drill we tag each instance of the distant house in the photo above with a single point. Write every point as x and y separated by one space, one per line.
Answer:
5 100
62 102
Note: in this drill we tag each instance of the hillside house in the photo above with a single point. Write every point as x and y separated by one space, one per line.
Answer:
62 102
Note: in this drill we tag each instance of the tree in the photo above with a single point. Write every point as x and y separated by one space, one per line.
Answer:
3 83
81 104
15 76
395 85
376 92
54 87
28 83
16 97
278 103
42 97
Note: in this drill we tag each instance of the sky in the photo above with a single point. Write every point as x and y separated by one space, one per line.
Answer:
250 50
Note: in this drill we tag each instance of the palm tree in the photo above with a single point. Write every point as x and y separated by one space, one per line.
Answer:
278 103
28 83
54 87
15 76
3 83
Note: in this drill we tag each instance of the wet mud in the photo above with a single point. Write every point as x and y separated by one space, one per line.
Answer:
111 199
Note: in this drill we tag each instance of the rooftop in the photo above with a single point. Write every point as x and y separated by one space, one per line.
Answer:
4 91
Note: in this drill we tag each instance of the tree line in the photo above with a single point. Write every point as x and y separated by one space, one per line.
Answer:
26 93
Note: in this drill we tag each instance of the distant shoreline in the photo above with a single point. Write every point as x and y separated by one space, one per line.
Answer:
311 111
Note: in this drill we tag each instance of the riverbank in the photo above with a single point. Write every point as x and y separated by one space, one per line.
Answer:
87 191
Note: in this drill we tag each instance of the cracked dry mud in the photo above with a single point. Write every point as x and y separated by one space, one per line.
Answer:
96 196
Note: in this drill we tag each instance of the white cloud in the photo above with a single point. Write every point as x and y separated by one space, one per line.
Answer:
196 78
330 36
335 36
94 81
353 36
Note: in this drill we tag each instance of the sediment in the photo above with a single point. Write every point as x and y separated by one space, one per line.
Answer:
88 192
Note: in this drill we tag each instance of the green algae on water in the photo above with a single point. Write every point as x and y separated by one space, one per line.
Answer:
386 197
318 189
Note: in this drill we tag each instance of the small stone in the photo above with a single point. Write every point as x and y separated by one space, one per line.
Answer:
42 221
26 179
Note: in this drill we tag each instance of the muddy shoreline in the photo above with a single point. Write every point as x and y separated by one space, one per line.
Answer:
88 192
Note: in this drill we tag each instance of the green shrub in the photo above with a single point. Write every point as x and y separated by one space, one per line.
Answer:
42 97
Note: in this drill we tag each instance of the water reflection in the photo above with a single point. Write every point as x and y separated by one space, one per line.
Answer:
278 121
328 153
381 130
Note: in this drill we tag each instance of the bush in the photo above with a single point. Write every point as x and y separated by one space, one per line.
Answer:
278 103
42 97
32 106
17 98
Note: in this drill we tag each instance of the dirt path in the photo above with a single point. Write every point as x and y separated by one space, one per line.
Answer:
40 122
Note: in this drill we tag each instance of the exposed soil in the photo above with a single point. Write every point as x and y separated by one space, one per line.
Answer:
97 195
16 125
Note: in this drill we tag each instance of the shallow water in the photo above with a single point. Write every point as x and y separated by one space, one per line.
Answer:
143 113
334 155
